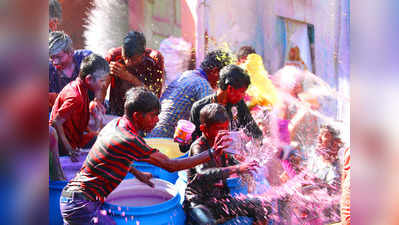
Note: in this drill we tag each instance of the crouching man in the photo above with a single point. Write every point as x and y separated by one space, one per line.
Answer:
109 160
208 200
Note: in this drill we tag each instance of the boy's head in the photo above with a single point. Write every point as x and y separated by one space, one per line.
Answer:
214 61
243 53
94 70
142 108
213 118
60 49
330 142
133 48
234 81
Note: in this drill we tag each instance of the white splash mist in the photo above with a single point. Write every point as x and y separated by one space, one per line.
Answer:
106 25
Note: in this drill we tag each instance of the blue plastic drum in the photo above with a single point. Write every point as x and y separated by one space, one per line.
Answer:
55 188
133 202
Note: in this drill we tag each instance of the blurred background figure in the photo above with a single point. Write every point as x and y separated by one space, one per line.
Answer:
55 15
243 52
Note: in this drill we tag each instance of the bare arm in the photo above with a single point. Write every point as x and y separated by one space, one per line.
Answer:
119 70
172 165
58 125
142 176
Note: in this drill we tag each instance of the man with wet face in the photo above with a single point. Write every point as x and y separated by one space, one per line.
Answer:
70 113
64 63
133 65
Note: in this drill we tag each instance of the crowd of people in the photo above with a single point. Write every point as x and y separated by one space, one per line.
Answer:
213 97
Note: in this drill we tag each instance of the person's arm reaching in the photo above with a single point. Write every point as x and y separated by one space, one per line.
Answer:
172 165
119 70
142 176
58 125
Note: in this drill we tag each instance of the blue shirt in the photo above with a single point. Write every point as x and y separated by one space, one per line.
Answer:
177 100
55 77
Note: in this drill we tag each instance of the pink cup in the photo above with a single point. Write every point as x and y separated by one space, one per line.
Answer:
183 131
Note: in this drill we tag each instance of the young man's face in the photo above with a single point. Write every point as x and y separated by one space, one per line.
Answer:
147 121
211 131
62 60
101 81
133 60
213 77
325 137
235 95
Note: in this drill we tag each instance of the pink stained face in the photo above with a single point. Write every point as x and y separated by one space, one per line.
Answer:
61 60
148 121
235 95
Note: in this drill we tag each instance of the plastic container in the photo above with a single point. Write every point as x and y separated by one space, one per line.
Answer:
237 186
236 142
55 189
183 131
71 168
133 202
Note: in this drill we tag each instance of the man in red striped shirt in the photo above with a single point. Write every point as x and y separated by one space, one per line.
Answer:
118 145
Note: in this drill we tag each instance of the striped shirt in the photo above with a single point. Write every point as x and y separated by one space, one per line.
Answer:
177 100
109 160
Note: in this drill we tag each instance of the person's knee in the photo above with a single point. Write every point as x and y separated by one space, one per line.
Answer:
200 215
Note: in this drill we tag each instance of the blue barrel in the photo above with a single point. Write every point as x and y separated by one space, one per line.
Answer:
237 186
164 212
55 188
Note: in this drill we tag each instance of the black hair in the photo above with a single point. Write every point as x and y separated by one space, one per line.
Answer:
216 59
55 10
92 63
244 51
134 43
233 75
139 99
213 113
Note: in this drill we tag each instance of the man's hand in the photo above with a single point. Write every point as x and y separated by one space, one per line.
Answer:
118 70
145 178
246 167
142 176
73 154
222 141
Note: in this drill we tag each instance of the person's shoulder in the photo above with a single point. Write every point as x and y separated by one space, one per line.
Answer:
82 52
71 90
198 145
153 54
203 101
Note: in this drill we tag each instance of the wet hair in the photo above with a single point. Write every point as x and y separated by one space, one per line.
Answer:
91 64
55 10
244 51
213 113
134 44
139 99
59 41
334 132
233 75
216 59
